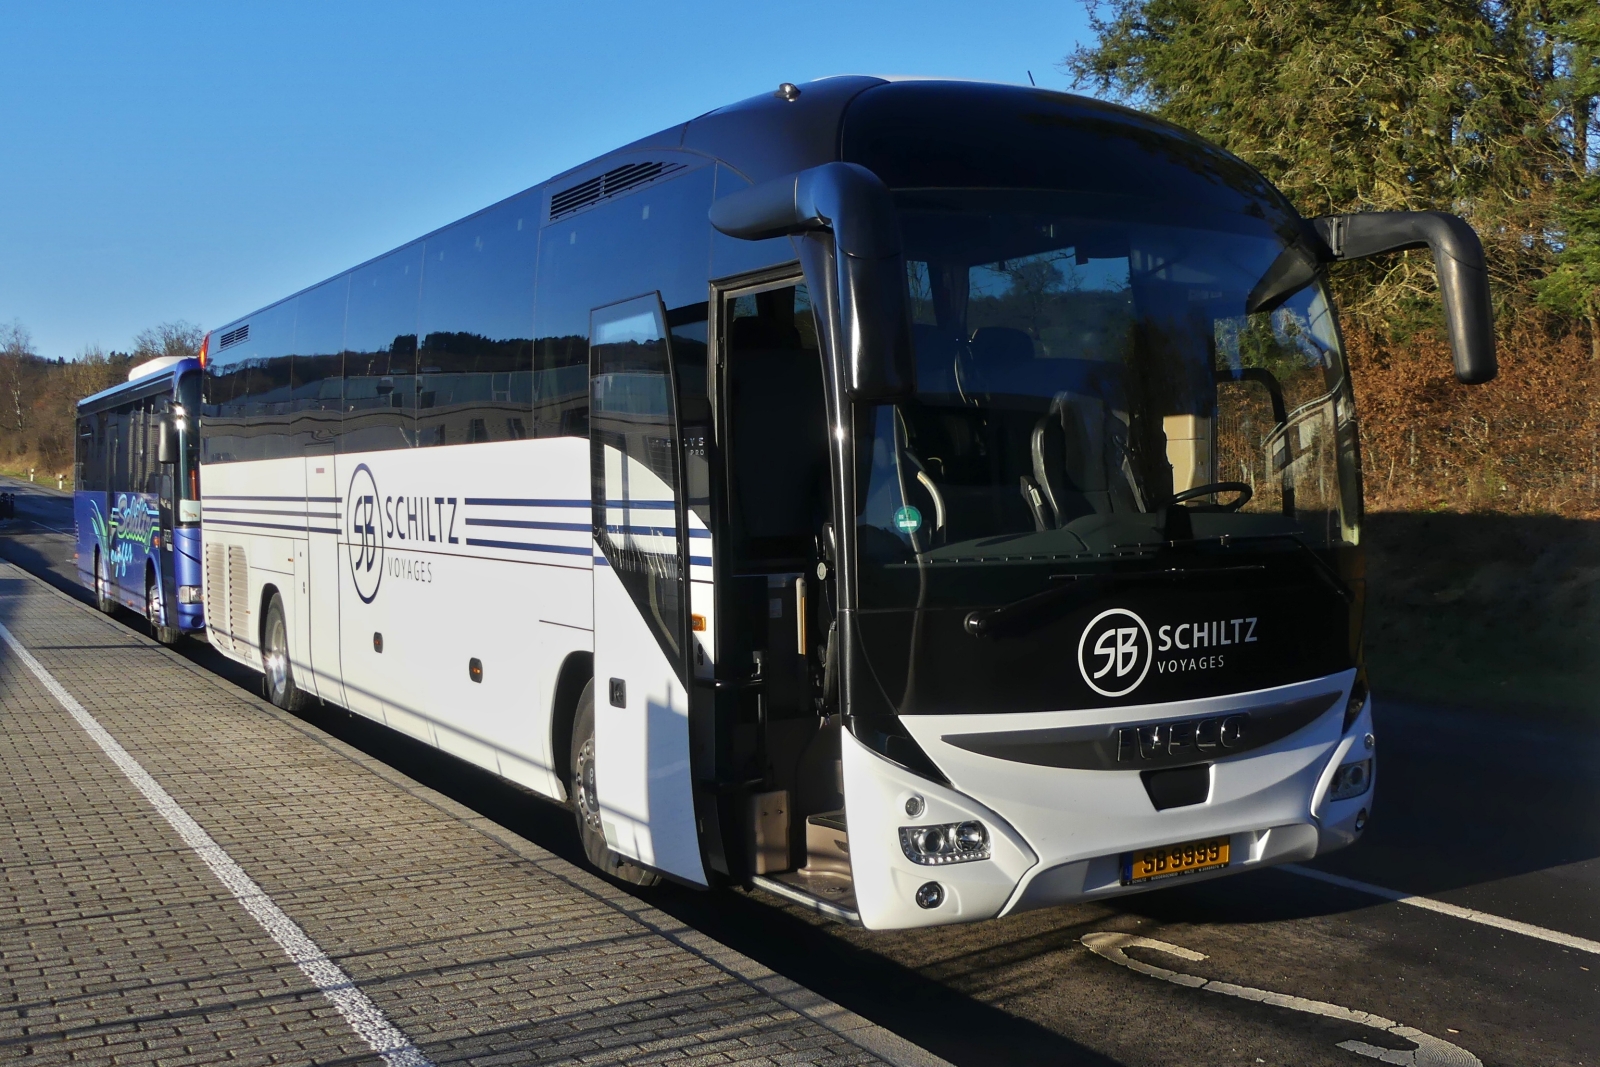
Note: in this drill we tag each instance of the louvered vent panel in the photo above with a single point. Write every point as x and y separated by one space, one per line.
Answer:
216 598
612 183
239 600
233 337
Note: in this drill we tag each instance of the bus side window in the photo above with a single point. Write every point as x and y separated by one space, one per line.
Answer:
380 357
476 352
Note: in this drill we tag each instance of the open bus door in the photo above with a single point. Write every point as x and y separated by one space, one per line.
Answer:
642 778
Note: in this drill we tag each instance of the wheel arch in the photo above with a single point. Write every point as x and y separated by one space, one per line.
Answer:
576 671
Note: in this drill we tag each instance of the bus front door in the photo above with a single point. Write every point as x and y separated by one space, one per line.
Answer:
641 701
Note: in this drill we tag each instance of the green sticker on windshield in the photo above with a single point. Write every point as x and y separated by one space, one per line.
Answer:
907 519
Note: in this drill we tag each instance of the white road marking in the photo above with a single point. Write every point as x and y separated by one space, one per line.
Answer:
364 1017
1555 937
1430 1050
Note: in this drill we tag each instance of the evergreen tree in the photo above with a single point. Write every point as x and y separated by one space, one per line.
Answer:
1471 107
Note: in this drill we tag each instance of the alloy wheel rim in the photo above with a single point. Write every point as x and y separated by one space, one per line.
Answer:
276 660
588 800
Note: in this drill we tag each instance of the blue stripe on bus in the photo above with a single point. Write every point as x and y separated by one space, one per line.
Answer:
525 524
700 561
568 550
646 531
296 499
265 511
642 505
510 502
266 526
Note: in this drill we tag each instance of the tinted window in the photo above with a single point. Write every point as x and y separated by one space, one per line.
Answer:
245 411
655 239
317 367
476 360
635 462
380 358
945 135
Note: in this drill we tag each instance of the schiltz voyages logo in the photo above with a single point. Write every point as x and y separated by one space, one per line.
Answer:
1114 652
365 533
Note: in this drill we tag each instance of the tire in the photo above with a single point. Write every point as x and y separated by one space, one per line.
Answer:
277 673
166 635
585 804
102 587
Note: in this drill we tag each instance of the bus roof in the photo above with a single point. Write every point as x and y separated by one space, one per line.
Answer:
163 380
774 134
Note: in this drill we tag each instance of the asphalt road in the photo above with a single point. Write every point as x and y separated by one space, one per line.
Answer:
1495 813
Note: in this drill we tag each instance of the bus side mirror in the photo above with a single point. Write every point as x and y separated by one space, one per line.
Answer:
1458 258
167 442
856 207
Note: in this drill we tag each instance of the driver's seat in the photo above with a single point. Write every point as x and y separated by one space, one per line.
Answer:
1071 447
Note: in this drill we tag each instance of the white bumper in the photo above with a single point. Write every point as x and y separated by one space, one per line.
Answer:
1060 834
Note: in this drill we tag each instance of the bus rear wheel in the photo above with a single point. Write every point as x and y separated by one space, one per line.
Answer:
586 801
277 675
155 615
102 587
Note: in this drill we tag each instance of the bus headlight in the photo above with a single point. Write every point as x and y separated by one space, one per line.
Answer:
954 842
1351 780
190 594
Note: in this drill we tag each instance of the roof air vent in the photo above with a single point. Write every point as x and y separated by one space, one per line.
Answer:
233 337
612 183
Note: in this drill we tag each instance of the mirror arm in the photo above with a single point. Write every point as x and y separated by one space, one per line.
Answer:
851 202
1458 259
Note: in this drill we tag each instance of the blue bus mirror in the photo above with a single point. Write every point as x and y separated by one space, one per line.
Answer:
850 202
1458 258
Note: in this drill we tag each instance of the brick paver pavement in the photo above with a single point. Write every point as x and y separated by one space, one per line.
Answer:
118 945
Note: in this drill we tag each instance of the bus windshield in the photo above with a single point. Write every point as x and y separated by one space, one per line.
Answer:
1099 382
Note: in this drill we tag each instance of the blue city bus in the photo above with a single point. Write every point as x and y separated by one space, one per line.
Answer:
137 496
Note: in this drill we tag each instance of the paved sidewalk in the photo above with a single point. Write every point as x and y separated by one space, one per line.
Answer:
119 943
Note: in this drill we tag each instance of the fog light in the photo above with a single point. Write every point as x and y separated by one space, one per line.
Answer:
930 895
947 843
190 594
914 806
1351 780
1361 820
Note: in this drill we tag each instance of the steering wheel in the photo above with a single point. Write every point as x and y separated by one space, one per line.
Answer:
1242 488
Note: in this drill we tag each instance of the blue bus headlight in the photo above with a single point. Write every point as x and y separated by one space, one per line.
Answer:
1351 780
189 594
955 842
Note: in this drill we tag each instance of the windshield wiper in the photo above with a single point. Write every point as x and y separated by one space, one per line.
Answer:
1324 569
1023 615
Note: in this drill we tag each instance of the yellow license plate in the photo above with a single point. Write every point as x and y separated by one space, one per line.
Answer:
1152 863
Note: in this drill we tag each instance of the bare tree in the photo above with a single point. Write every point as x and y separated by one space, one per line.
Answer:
16 358
178 338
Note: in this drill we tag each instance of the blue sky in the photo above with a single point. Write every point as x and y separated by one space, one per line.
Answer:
197 160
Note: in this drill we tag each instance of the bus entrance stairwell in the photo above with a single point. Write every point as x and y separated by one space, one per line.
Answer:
778 723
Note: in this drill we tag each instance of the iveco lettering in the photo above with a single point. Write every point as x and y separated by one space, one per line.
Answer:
924 500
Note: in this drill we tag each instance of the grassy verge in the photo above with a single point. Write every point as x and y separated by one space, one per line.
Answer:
40 477
1488 611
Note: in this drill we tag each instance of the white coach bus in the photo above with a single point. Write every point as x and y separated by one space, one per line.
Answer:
926 501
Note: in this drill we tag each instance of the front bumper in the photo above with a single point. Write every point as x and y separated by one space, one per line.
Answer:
1060 834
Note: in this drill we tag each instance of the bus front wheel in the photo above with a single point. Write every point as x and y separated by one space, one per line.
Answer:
277 675
154 613
586 801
